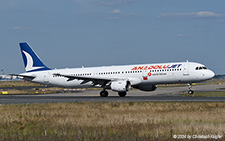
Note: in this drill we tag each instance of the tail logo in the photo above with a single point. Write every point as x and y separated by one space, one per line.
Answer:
30 63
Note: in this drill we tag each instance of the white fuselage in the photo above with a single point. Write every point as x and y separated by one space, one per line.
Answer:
152 74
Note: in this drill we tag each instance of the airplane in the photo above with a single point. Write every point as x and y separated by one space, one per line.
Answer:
144 77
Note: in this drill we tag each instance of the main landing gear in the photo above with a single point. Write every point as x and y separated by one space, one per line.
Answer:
190 91
122 94
104 93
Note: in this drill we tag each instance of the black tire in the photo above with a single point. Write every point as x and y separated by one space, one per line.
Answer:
122 94
104 93
190 92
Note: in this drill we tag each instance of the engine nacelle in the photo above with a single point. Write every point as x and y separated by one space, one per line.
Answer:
146 87
120 85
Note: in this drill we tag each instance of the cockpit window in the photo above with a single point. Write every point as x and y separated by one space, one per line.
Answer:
201 68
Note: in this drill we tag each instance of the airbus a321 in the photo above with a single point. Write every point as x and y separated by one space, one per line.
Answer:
144 77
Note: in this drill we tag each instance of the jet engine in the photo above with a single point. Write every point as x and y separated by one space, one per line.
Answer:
120 85
146 87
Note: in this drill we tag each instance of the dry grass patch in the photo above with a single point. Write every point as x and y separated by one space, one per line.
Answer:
111 121
18 84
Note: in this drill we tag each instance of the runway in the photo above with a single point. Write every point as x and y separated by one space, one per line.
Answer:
161 94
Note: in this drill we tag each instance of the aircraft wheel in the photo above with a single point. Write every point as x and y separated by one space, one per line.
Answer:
190 92
104 93
122 94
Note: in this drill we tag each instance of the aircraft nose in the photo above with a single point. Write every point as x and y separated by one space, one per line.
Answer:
211 74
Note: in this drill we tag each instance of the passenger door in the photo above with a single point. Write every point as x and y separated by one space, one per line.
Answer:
186 69
46 81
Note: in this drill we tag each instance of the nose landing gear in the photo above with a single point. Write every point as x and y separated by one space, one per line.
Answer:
190 91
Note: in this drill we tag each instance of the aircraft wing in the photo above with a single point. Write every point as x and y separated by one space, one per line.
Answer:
95 81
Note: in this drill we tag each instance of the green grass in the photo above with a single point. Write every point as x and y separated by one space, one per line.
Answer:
111 121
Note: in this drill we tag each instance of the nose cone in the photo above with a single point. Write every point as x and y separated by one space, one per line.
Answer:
210 74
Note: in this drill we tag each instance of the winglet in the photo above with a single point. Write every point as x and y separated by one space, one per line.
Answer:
31 60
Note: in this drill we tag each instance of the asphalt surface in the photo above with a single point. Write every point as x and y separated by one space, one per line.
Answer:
161 94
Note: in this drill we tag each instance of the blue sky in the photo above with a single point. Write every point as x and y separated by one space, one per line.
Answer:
72 33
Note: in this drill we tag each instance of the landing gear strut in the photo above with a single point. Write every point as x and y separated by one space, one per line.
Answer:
104 93
190 89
